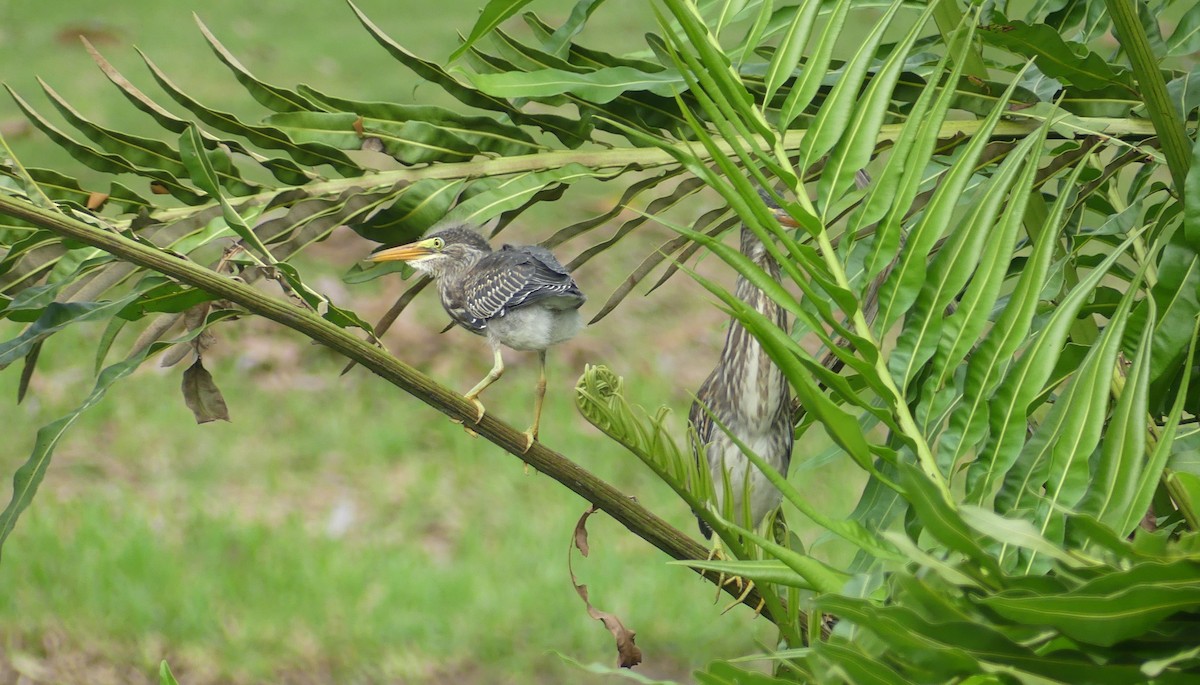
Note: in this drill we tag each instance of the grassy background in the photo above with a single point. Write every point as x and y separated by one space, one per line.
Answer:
336 530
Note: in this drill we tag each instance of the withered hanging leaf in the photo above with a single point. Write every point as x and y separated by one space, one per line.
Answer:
202 396
628 653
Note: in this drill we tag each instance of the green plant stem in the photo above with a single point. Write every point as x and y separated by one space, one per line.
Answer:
1182 500
617 158
903 416
1166 120
639 520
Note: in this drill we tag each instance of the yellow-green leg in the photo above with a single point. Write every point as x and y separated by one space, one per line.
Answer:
496 372
538 399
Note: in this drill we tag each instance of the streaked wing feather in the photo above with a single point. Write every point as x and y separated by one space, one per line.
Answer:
517 276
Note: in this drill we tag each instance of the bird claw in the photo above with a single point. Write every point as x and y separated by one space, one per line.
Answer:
479 407
530 438
465 428
749 586
744 585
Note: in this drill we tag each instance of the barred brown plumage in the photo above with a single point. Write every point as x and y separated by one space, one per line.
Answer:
749 395
519 296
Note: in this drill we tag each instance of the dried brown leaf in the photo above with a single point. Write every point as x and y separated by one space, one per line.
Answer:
96 200
202 396
628 653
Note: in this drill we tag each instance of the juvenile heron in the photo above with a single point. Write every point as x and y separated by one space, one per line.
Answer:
748 395
519 296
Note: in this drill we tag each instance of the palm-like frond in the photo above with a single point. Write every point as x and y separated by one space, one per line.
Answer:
1008 309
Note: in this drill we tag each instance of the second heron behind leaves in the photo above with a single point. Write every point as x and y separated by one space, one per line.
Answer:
749 396
519 296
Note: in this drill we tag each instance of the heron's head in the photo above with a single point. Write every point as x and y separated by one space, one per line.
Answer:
751 246
446 249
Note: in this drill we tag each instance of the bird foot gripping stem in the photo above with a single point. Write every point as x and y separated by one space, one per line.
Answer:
745 585
479 417
530 438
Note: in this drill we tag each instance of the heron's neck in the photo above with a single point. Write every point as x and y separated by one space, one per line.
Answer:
747 292
762 385
449 280
451 274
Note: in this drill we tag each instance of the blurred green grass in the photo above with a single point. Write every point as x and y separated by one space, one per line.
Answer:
337 530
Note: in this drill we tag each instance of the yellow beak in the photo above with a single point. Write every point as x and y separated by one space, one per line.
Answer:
405 253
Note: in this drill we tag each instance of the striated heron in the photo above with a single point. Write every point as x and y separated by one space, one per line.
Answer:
519 297
748 395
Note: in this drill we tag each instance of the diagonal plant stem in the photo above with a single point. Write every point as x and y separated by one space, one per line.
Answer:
639 520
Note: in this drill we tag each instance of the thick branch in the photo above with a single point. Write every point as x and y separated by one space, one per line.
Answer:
639 520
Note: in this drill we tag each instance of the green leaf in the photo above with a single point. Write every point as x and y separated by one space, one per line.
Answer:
1057 58
164 674
600 86
815 68
272 97
143 152
836 111
285 170
1013 532
821 576
191 149
969 421
891 195
572 133
416 208
410 142
1057 456
1116 607
857 141
30 475
1114 485
787 54
501 195
1151 474
859 667
1185 39
955 263
577 54
940 518
560 41
908 634
963 328
1184 93
625 673
484 133
900 289
102 161
772 571
55 317
722 673
312 153
1009 408
494 13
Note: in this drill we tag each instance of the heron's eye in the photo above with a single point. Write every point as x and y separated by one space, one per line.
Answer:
438 243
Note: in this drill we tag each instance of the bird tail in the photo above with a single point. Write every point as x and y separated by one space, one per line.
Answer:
705 529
